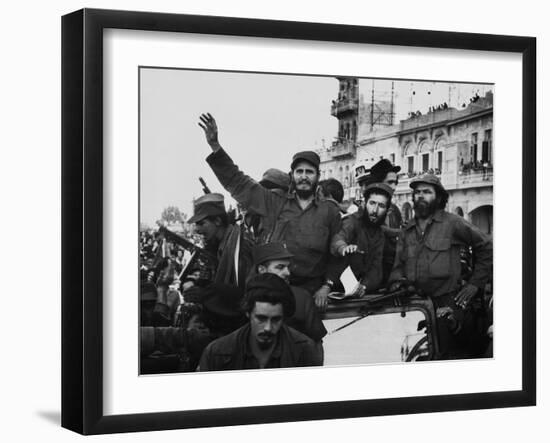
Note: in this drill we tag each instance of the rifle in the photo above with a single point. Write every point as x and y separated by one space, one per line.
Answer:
197 253
205 188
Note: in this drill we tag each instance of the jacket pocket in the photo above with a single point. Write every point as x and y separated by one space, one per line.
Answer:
439 257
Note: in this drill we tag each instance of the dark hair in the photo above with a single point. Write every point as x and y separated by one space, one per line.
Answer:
269 288
368 193
333 188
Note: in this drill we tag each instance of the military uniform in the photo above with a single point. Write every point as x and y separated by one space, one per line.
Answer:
232 352
431 259
306 232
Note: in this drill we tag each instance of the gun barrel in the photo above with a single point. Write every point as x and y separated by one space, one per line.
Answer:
184 243
205 187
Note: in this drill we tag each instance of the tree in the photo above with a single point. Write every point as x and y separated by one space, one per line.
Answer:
172 214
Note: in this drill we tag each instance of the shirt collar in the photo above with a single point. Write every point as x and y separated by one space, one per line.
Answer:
437 217
292 196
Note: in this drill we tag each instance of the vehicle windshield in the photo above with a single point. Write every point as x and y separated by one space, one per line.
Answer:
380 338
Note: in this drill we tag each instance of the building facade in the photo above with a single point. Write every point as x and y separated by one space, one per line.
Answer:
455 144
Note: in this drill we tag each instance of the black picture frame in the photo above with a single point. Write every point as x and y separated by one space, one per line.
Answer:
82 218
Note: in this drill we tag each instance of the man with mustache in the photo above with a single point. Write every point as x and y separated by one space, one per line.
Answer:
274 258
265 341
303 222
428 255
360 242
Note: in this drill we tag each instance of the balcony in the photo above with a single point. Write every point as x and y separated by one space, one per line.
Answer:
475 177
344 105
342 149
463 179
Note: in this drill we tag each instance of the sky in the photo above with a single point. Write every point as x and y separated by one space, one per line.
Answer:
263 119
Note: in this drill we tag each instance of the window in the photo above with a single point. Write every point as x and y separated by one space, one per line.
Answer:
473 148
425 162
440 161
487 146
392 159
410 167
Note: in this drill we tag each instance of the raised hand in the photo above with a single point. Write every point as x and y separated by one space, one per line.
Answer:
210 128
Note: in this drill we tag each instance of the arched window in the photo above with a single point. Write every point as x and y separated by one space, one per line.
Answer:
439 155
409 154
424 160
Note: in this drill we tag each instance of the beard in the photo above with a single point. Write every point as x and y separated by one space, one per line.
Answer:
423 209
373 222
304 193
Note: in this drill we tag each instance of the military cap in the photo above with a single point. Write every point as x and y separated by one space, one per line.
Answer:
429 179
381 187
207 205
307 156
270 251
275 178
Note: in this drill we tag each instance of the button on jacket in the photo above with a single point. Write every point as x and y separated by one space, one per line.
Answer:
432 259
232 352
306 232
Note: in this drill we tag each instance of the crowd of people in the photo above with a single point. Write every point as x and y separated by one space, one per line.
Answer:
250 294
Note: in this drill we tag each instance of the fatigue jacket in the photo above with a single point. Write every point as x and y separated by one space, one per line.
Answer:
367 267
306 232
432 259
293 349
225 271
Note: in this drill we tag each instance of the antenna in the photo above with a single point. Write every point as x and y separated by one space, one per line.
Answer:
391 105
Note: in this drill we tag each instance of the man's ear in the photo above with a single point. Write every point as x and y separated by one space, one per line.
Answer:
262 269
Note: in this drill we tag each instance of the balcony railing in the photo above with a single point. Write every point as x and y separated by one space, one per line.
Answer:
344 105
343 149
455 180
475 177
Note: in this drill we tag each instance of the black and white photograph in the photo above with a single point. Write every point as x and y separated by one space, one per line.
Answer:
291 221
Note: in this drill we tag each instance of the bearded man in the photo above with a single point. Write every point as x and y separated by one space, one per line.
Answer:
360 242
428 255
298 219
